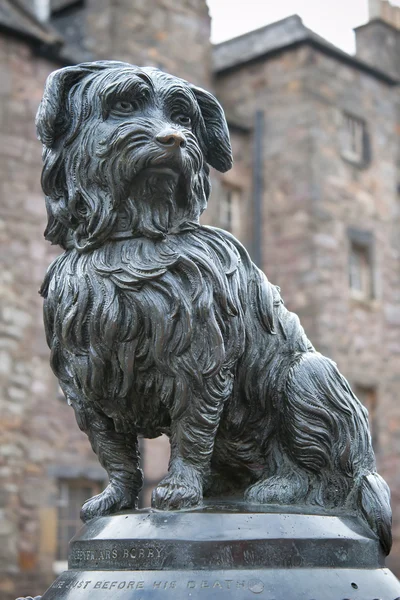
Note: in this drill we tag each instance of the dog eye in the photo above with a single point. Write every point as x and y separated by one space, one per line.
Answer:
182 119
124 106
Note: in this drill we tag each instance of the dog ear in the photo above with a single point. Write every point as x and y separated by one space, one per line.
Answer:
51 117
219 151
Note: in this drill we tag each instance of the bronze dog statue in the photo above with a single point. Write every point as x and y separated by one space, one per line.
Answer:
157 324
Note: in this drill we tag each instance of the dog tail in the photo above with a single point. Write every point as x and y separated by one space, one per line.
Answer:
374 500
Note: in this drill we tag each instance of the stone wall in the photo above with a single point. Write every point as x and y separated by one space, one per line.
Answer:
312 196
37 427
169 34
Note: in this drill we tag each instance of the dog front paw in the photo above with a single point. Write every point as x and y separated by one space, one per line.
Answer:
111 500
179 489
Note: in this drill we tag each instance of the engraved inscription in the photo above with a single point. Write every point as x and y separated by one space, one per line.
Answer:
116 554
255 586
120 585
147 552
227 584
164 585
72 585
89 555
151 555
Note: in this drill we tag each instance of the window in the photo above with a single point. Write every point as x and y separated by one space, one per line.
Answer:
354 140
59 7
368 397
154 461
42 9
229 208
360 265
360 271
72 494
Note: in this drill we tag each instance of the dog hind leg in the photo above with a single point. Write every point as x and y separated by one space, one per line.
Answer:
288 486
118 454
326 433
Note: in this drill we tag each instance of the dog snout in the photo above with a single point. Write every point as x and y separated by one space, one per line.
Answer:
172 139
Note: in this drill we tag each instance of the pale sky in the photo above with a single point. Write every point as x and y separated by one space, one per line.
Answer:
333 19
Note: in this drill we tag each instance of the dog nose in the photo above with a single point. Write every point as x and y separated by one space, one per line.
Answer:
171 139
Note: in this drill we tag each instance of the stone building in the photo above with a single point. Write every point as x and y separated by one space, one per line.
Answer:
314 195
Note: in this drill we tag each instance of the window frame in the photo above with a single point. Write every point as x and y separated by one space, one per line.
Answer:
64 487
235 194
362 156
359 240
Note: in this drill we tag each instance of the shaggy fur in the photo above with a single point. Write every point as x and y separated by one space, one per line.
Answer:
159 325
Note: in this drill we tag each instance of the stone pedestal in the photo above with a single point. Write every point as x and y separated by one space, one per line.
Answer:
232 550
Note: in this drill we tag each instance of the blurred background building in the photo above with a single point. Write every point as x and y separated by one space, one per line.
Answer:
314 194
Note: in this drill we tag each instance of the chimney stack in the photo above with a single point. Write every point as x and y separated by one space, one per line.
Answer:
385 10
378 42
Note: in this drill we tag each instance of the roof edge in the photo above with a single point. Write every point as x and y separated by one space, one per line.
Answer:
47 29
56 53
355 62
330 50
294 17
30 38
30 29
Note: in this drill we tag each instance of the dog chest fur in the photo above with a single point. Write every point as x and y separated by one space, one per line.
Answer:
169 319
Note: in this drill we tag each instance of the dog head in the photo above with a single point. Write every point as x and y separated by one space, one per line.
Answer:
126 147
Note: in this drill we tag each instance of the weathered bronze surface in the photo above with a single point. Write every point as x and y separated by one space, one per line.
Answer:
157 324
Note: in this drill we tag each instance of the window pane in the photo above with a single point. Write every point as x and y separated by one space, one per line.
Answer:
155 458
360 270
230 208
72 494
353 138
355 271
